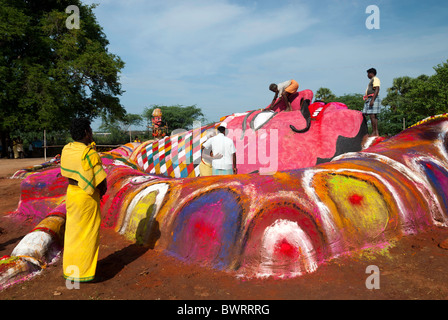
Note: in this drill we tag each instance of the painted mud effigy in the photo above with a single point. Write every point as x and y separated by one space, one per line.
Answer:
282 225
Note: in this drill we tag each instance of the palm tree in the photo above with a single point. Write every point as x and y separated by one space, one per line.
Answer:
395 94
325 95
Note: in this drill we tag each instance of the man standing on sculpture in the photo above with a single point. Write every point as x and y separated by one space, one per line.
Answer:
283 90
372 100
82 165
223 147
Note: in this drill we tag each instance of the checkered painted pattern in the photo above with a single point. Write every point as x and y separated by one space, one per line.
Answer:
176 156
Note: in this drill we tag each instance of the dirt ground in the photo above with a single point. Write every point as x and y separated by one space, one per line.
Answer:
414 267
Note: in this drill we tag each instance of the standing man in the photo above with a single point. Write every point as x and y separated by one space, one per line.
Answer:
15 144
205 167
222 146
82 165
372 101
284 90
20 148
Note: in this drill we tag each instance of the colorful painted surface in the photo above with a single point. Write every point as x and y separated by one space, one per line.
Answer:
176 156
22 173
285 224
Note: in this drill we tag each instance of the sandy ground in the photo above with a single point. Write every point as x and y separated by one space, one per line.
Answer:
413 267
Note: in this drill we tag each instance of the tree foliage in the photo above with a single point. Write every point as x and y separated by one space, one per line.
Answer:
50 73
414 99
408 100
396 94
353 101
122 124
120 128
325 95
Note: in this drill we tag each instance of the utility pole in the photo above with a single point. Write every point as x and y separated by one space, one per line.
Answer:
45 145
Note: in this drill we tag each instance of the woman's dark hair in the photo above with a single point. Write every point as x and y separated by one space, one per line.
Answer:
79 127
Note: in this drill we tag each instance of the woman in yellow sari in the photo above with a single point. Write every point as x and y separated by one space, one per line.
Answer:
82 165
205 167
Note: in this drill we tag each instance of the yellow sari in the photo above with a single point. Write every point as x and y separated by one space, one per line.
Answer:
81 242
205 169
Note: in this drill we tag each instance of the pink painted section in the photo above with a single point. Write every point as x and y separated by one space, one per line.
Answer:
40 193
276 147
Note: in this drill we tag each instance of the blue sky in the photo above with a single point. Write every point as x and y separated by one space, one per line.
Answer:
221 55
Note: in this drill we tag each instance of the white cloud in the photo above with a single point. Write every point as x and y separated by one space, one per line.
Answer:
201 38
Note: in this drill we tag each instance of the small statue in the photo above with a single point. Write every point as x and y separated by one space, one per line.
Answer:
158 131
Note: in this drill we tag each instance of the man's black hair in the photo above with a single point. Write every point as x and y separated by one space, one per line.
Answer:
273 87
372 70
79 127
222 130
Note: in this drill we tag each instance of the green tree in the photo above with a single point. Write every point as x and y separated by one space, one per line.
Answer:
353 101
414 99
325 95
50 73
390 122
118 127
176 117
132 119
396 95
429 95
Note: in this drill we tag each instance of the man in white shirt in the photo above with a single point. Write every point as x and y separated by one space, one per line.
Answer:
222 145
